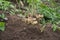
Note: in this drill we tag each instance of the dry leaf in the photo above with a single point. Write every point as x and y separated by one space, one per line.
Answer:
21 3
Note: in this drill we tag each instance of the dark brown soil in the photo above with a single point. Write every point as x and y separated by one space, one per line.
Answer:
18 30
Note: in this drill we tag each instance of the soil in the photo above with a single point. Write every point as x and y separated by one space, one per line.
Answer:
18 30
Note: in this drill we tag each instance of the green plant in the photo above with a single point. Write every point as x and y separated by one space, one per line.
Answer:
4 6
2 22
7 6
33 5
50 13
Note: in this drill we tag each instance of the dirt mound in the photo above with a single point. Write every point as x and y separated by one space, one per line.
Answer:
18 30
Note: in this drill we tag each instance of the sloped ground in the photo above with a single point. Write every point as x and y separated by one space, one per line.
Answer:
18 30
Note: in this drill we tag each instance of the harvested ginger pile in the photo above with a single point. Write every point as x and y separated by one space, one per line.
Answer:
33 19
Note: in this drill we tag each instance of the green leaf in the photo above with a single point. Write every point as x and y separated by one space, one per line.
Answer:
54 26
3 15
2 26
